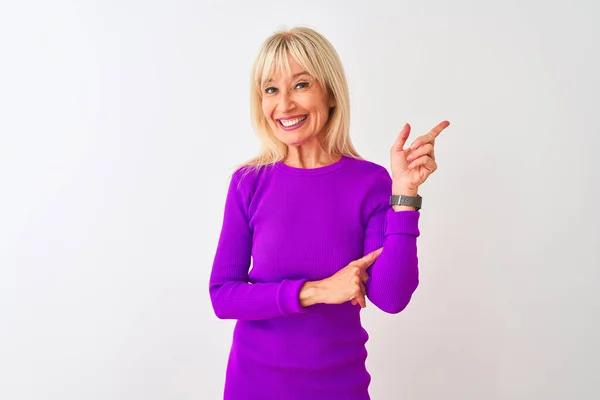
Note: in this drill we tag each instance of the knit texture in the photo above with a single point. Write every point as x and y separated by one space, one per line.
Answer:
284 226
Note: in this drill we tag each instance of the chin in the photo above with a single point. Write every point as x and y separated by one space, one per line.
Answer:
290 139
290 143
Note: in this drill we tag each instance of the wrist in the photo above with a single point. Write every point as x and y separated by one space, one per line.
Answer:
403 208
399 189
310 294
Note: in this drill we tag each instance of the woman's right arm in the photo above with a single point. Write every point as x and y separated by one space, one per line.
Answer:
231 294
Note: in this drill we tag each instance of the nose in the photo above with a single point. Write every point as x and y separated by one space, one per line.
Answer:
285 103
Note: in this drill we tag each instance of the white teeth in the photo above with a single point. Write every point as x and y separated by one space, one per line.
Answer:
292 122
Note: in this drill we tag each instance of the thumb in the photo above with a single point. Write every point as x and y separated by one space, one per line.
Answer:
401 139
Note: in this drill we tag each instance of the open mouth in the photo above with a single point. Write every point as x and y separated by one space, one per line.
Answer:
292 123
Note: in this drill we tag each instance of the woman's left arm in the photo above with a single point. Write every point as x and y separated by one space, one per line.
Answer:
394 277
395 274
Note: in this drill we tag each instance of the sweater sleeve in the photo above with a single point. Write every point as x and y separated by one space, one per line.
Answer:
231 293
394 276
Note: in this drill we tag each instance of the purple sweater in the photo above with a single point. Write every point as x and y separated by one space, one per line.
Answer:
295 225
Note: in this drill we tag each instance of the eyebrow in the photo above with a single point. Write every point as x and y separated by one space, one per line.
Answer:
293 76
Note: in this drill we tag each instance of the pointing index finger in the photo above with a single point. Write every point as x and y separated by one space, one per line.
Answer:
370 258
430 136
435 132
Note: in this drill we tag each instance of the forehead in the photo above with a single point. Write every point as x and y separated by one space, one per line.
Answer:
282 68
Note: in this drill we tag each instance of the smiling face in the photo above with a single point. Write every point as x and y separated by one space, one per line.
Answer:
295 105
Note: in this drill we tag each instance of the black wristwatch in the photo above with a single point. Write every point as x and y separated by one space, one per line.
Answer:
410 201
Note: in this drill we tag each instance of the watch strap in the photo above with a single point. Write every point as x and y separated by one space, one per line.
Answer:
411 201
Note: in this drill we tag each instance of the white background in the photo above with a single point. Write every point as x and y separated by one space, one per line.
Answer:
120 123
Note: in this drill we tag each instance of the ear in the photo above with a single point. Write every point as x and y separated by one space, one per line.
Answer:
331 100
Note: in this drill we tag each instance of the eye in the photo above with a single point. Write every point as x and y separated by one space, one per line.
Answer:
302 85
270 90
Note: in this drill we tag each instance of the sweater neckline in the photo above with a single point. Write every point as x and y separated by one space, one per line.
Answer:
313 171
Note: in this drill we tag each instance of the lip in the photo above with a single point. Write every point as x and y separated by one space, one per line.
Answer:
290 117
291 128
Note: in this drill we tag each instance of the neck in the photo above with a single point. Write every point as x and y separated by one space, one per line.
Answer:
309 157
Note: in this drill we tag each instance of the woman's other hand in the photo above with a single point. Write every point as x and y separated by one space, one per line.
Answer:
348 284
410 167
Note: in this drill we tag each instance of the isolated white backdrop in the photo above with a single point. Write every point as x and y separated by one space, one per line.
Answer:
121 121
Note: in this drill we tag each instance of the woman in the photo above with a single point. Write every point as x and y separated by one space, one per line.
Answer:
317 222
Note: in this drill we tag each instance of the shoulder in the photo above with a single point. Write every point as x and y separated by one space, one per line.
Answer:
374 187
246 178
370 172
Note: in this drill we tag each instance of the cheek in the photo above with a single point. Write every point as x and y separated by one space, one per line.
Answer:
322 111
267 108
319 105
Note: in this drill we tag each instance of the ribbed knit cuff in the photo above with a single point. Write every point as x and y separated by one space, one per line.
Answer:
288 296
402 222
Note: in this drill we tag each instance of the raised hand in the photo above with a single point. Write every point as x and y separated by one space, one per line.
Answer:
410 167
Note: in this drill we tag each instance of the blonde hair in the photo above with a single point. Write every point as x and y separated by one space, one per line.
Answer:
318 57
